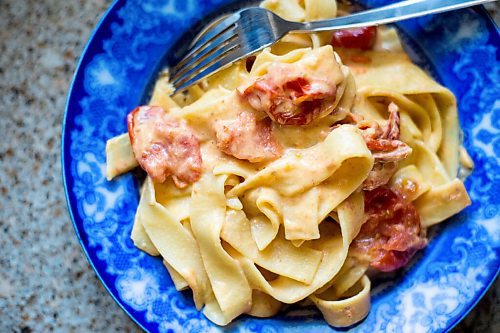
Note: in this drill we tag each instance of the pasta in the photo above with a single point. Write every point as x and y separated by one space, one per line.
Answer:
290 175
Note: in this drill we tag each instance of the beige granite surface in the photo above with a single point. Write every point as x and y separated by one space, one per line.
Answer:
46 283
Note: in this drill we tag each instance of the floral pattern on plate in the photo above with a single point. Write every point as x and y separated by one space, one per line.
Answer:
115 73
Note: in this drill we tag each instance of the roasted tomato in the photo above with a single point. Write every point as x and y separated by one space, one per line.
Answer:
355 38
164 145
385 150
379 175
294 102
384 144
292 94
247 138
296 93
391 235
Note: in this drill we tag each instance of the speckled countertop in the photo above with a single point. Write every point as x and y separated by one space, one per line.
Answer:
46 283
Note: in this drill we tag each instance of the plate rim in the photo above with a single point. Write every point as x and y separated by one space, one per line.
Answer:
64 157
64 147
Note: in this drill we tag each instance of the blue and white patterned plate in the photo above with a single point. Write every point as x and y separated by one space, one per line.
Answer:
120 62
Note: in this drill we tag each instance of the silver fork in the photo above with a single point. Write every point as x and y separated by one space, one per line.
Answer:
250 30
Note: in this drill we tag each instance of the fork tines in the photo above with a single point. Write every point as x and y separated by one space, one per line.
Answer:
211 45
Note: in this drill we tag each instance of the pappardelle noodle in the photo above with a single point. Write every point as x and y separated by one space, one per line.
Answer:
287 176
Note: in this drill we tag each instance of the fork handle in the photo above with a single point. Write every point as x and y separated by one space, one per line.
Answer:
396 12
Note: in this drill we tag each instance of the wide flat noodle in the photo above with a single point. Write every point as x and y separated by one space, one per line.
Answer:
300 216
427 163
266 57
177 279
234 167
289 10
320 10
409 181
442 202
119 156
139 235
229 284
320 162
300 11
280 257
345 312
334 243
265 210
214 105
175 244
161 93
229 78
349 274
176 201
263 305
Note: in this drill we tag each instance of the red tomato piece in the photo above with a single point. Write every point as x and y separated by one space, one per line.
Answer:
391 235
164 145
355 38
247 138
294 102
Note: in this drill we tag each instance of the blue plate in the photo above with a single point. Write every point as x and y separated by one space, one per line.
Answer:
120 62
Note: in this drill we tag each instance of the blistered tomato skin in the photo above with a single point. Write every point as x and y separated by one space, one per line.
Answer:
391 235
295 102
355 38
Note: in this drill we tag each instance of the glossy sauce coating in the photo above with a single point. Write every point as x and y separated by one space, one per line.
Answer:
164 145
